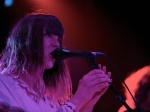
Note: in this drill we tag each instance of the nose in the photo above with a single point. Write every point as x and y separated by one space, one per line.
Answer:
55 41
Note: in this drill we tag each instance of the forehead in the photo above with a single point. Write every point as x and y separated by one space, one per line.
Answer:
53 26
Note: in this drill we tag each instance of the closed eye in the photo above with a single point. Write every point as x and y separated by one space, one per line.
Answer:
47 35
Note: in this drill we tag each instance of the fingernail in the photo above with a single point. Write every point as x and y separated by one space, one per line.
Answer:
111 80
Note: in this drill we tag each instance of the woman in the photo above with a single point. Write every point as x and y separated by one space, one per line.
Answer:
32 80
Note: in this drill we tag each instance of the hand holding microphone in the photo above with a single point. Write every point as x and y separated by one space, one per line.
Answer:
93 85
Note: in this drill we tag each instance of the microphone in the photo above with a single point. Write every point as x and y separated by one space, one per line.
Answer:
61 54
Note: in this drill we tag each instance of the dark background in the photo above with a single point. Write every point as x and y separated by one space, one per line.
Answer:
118 28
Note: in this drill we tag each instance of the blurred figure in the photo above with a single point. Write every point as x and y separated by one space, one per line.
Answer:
139 85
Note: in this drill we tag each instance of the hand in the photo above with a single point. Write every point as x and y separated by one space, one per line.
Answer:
92 83
89 106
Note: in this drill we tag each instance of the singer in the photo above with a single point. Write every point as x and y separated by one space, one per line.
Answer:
32 80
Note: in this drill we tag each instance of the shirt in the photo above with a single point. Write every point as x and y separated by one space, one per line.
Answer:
16 93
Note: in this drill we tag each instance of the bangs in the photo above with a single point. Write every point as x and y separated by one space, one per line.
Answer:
53 26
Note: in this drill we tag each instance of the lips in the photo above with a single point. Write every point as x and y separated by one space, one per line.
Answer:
53 53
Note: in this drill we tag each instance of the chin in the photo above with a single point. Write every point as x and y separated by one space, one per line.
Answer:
49 65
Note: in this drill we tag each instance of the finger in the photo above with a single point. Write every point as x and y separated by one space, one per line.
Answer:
100 66
101 80
104 69
96 80
103 90
100 86
98 76
94 72
109 74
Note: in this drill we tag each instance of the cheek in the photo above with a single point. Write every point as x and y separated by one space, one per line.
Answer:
46 45
46 42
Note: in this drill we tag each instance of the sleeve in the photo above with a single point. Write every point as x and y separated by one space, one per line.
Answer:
5 93
86 110
67 107
6 97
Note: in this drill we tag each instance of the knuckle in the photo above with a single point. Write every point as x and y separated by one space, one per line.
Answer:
99 80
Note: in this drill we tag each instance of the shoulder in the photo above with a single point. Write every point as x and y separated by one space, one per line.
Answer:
6 83
5 79
6 89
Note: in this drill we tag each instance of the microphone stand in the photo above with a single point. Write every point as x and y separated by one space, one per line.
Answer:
91 61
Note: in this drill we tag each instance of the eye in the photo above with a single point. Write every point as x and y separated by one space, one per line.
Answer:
47 35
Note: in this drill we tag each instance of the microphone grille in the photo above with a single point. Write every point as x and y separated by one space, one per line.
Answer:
57 53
